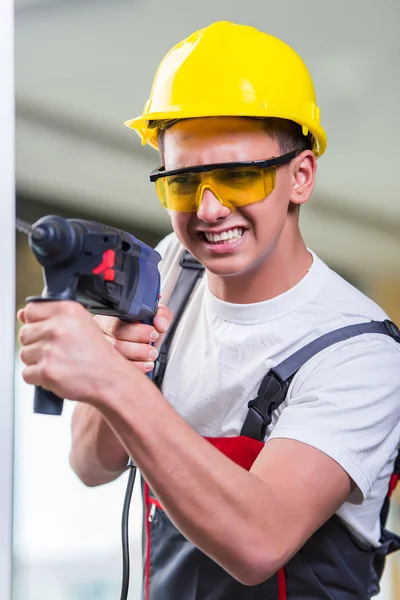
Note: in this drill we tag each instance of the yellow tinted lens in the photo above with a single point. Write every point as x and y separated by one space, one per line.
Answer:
178 192
240 185
236 186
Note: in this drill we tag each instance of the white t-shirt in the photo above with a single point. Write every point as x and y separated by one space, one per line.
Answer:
345 401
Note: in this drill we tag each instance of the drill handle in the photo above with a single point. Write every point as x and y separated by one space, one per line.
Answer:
47 403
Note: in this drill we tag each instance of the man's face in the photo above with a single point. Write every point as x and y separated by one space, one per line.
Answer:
256 228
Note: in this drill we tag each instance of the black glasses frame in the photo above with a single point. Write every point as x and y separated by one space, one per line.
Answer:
271 162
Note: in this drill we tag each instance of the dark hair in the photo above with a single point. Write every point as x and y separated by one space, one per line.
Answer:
288 134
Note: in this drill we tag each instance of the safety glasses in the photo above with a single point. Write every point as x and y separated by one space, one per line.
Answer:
233 184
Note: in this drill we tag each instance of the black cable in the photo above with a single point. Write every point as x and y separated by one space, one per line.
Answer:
125 532
125 521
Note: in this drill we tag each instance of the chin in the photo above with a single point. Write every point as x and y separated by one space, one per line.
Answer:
225 266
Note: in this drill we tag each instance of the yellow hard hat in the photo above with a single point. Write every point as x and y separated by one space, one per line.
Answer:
231 70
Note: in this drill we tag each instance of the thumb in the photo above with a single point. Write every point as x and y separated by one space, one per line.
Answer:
163 318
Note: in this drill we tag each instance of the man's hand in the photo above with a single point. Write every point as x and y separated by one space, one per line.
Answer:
134 340
65 352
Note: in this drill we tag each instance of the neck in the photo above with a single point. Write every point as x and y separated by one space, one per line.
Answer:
281 268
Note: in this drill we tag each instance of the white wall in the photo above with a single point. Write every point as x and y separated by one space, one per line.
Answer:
7 302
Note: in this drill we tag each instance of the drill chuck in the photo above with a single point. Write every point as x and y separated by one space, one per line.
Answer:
55 240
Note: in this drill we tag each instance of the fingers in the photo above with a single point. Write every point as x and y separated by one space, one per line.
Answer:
141 356
135 341
33 332
127 332
136 332
40 311
31 374
134 351
32 354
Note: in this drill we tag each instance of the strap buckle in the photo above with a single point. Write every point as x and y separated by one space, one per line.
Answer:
271 394
393 330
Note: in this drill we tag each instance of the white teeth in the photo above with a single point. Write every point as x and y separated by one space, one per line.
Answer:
231 235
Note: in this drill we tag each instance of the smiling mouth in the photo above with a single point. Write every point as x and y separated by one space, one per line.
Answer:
229 236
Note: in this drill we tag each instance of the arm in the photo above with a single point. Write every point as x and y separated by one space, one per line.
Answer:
97 454
249 523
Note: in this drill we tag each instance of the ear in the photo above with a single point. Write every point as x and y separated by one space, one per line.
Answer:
304 168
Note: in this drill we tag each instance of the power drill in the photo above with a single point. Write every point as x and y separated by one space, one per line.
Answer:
107 270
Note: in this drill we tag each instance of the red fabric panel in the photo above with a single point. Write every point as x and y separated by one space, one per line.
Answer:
393 483
281 584
241 449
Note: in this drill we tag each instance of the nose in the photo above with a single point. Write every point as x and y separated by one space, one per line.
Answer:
211 209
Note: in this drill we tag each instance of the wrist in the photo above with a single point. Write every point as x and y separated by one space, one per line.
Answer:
129 403
122 388
111 384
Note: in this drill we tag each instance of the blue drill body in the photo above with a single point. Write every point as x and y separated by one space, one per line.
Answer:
107 270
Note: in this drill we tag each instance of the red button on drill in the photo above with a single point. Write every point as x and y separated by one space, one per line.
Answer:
109 275
106 266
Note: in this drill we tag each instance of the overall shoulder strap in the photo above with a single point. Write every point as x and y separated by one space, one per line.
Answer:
191 271
275 385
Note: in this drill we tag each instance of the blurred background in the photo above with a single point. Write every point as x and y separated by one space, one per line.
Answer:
82 69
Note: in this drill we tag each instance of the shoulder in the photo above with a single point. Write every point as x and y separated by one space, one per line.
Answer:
170 249
363 360
345 401
344 300
362 369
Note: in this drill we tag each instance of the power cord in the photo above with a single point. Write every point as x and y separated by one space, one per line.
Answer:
125 531
125 520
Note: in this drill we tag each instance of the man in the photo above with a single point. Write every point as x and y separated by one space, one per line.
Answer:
293 511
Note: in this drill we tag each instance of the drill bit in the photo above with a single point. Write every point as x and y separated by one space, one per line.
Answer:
26 228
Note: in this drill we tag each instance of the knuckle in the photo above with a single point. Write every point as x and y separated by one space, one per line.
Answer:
113 342
68 308
118 345
110 340
56 330
22 334
23 355
46 371
29 308
48 353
